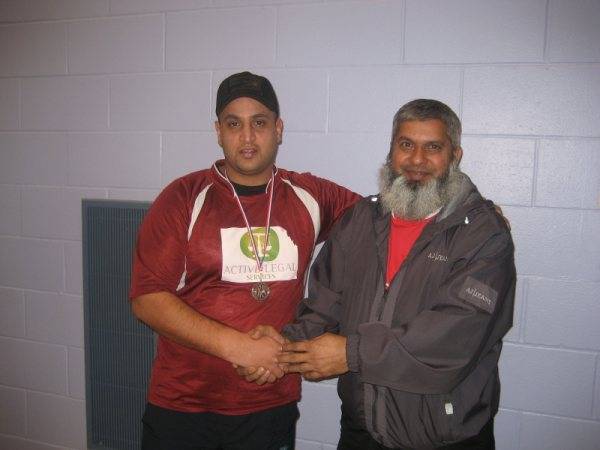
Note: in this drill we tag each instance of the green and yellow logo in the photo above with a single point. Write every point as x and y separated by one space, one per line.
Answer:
260 237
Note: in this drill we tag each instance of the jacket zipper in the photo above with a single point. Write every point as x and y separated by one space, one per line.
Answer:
382 305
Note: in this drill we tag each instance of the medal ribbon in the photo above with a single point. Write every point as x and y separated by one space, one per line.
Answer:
259 260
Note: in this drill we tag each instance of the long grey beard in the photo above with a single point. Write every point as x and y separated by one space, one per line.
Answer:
413 200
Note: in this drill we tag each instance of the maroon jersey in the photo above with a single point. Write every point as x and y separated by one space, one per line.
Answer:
194 243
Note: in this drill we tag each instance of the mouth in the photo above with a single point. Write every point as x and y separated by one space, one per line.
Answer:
416 175
248 152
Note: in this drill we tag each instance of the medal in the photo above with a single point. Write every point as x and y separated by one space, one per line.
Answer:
260 290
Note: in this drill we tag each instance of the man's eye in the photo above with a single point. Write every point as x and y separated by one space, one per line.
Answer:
259 123
232 123
405 144
434 147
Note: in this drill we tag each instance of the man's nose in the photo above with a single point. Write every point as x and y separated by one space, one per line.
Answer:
417 156
247 134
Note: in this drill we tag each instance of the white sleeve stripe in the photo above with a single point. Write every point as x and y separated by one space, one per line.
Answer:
195 213
182 279
311 205
197 207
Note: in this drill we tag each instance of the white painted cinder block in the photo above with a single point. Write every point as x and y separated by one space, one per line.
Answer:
536 252
506 429
160 102
340 34
558 433
32 365
188 152
351 160
9 104
76 372
43 212
597 392
112 45
142 195
324 427
31 264
56 419
590 253
73 268
54 318
260 2
547 380
492 31
33 158
366 99
568 174
84 87
55 213
558 310
10 205
92 158
141 6
219 38
302 95
574 30
65 103
18 443
12 312
33 49
531 99
502 169
19 10
13 419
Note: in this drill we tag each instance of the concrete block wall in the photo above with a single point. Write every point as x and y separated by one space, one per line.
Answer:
115 98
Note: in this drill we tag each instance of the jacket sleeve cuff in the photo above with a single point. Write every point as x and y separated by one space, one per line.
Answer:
352 358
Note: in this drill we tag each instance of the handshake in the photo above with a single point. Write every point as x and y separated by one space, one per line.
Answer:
270 356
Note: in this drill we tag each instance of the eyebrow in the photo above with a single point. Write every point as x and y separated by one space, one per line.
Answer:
255 116
433 141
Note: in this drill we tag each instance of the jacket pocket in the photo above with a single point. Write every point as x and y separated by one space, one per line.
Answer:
402 419
445 412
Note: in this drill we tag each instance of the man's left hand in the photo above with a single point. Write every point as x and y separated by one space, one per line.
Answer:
320 357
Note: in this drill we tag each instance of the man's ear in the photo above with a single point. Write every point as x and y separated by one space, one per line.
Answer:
457 153
279 130
218 130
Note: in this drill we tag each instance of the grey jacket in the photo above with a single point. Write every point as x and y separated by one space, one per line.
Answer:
423 354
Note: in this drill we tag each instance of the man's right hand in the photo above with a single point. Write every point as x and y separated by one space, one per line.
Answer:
257 373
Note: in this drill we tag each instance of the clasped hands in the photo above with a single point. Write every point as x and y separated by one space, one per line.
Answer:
317 358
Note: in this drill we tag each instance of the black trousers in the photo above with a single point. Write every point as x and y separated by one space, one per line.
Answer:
272 429
355 438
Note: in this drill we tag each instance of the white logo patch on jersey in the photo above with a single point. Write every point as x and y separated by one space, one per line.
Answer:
239 263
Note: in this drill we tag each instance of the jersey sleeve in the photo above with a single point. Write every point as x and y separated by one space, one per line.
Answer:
159 256
320 311
333 201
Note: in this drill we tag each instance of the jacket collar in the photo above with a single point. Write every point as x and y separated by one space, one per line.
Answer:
455 212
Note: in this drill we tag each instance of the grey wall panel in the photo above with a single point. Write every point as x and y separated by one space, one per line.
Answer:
118 348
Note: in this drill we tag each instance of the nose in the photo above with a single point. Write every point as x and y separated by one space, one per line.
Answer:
417 156
247 135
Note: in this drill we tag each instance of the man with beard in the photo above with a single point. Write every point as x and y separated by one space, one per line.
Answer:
409 299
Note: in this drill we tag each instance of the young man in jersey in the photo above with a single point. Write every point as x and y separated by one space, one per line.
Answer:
220 251
409 299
